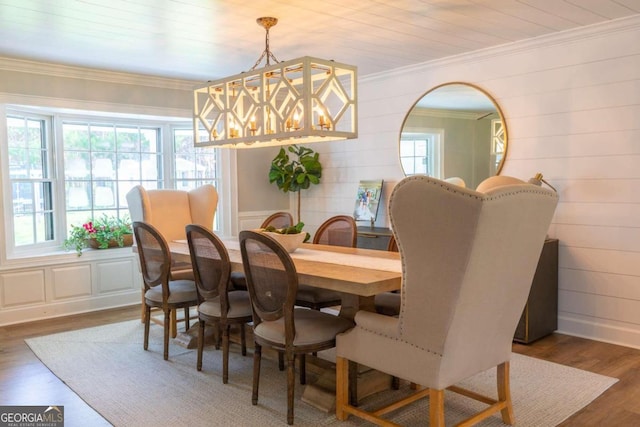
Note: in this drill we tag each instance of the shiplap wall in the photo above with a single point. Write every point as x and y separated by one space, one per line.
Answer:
572 107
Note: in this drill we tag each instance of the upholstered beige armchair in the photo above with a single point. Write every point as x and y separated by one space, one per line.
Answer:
468 262
170 211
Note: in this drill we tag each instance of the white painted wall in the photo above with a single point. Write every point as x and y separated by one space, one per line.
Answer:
572 108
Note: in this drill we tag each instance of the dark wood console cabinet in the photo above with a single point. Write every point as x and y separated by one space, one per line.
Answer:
540 316
373 238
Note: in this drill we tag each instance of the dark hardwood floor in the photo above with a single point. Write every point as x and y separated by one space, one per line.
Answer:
24 380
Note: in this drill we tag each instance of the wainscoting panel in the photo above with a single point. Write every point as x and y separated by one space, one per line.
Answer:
22 288
71 282
96 281
116 276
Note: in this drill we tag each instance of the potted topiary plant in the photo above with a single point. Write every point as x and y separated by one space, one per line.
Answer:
295 173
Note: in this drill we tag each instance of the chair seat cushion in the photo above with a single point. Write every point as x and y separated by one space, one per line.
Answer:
388 303
315 295
181 291
239 306
312 327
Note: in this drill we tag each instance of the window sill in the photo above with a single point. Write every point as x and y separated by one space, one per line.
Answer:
65 257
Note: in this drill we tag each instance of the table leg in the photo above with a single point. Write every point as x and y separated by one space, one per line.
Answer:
362 381
351 304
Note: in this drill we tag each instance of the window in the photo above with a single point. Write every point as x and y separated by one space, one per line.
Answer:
98 160
102 162
420 153
193 166
30 174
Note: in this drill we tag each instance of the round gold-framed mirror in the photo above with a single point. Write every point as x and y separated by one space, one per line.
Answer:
454 130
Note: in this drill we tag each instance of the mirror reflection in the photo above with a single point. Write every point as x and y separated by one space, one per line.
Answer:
454 130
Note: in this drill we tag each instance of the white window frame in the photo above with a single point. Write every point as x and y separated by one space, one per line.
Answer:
9 218
435 135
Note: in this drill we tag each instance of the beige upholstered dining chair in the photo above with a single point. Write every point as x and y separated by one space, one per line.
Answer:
339 230
170 211
273 283
389 302
463 291
159 290
216 304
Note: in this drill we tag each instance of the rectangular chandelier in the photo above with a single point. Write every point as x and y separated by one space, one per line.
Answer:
291 102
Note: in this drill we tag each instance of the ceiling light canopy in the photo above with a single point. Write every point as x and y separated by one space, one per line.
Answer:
291 102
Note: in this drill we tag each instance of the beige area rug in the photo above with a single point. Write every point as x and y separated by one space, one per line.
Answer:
107 367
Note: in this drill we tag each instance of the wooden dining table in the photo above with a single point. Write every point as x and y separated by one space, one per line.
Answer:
358 274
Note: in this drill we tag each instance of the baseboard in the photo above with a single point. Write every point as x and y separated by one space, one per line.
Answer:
67 308
601 331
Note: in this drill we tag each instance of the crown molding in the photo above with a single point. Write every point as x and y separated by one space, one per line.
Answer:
620 25
68 71
71 106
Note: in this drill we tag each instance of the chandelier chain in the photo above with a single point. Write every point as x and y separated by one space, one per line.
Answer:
266 23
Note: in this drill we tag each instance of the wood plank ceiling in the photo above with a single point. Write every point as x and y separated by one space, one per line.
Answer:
209 39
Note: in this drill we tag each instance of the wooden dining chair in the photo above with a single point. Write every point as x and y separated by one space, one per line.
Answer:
464 289
159 290
340 230
278 220
273 283
217 305
393 244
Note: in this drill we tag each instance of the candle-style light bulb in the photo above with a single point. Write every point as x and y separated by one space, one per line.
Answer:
233 132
